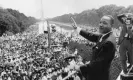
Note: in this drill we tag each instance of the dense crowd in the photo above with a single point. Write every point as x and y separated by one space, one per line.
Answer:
27 56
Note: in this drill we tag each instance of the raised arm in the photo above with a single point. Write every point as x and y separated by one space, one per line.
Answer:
121 18
90 36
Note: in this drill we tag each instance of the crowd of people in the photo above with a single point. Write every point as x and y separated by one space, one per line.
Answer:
28 56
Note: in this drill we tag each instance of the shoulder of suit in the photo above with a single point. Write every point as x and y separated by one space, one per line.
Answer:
112 39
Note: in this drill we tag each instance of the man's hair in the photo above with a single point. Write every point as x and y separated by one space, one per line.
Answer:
111 19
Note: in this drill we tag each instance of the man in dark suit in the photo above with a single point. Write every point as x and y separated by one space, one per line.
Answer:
103 51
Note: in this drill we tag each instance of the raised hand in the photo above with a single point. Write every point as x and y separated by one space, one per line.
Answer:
74 25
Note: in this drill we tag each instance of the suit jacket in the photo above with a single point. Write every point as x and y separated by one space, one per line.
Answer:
102 56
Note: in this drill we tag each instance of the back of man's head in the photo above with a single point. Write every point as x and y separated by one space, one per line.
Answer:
111 19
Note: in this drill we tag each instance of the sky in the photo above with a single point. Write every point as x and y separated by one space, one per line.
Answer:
53 8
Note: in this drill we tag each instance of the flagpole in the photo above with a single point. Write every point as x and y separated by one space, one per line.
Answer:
49 41
48 28
61 36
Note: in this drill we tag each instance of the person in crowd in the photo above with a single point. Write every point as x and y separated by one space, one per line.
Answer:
102 53
125 41
44 77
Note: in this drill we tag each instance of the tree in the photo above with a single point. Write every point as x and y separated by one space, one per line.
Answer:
13 21
92 17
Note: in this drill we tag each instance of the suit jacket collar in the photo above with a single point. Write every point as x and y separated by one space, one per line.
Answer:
105 36
109 37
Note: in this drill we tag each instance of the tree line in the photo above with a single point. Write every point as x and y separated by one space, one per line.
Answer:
92 17
12 21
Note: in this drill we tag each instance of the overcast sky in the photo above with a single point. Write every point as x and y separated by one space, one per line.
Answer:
52 8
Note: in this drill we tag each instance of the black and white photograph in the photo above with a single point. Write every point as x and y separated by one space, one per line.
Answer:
66 39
